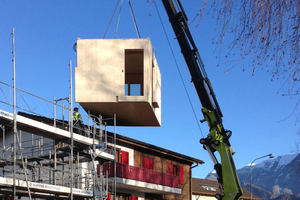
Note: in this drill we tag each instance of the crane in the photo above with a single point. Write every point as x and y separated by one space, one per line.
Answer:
218 138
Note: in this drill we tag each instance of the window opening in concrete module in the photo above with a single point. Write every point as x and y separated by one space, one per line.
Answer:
154 97
134 72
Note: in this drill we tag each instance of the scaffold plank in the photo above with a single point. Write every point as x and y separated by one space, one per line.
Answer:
41 187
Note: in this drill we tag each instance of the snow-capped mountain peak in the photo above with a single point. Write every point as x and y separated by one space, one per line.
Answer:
282 172
275 163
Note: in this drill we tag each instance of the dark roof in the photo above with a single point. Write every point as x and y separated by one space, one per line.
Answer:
197 188
198 183
124 139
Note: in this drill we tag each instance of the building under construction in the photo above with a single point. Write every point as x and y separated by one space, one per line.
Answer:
117 82
44 160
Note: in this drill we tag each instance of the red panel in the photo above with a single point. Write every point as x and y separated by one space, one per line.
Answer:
125 170
105 168
108 196
145 162
170 168
125 158
108 168
175 181
151 164
140 174
181 175
121 170
134 198
166 180
132 173
158 178
146 176
98 170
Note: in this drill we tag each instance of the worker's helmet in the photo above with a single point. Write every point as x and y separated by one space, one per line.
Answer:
76 109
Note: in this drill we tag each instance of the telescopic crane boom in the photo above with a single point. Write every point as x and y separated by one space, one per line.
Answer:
218 137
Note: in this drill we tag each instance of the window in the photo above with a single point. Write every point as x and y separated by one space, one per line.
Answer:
176 170
118 156
149 196
156 89
121 196
173 169
122 157
132 89
211 188
134 72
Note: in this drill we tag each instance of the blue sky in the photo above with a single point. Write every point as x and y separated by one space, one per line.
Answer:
45 32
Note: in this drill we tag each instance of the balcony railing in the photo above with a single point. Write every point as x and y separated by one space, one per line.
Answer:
140 174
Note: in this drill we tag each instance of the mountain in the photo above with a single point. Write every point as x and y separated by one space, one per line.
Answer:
257 191
287 197
280 175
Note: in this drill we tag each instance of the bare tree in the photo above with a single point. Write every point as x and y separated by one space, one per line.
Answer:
277 190
266 32
287 191
295 148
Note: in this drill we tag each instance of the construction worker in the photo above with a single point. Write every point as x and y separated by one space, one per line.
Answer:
78 125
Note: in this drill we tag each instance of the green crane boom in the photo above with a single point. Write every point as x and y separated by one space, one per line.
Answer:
218 137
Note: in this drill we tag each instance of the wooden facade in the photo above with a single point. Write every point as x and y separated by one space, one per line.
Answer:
162 174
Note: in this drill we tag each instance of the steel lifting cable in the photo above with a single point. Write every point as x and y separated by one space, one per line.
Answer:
119 19
179 71
133 18
111 19
132 15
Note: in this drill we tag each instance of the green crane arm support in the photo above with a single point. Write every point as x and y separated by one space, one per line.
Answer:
217 140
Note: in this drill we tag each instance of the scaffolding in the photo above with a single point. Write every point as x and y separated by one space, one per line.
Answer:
42 158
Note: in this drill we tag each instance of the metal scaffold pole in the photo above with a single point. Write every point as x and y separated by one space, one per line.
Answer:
71 130
16 139
15 116
3 143
115 161
93 160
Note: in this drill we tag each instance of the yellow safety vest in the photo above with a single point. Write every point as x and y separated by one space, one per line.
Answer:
75 116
